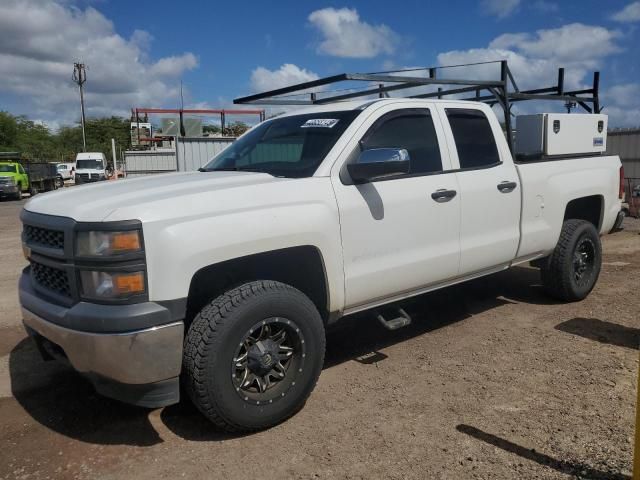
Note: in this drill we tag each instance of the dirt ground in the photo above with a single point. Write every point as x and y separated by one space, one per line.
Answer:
493 380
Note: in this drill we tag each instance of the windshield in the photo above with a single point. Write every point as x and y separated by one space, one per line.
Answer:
89 164
8 168
290 147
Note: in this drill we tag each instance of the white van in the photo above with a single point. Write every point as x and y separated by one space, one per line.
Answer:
90 167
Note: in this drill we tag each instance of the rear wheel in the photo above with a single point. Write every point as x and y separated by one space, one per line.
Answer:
253 356
571 271
33 190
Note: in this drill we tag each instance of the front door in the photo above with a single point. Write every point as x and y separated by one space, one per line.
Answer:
400 233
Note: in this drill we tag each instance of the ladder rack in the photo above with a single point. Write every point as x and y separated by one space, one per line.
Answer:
503 91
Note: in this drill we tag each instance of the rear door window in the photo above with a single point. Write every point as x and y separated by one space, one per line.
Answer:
474 138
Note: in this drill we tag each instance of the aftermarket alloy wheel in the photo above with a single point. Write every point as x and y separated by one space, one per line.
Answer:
572 270
253 356
268 360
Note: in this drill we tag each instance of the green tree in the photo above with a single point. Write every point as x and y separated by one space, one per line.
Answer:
36 141
236 129
210 129
8 131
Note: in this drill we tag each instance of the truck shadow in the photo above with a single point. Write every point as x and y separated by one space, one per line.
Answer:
62 400
603 332
360 336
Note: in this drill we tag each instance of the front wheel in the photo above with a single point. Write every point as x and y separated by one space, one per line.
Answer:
253 356
18 194
571 271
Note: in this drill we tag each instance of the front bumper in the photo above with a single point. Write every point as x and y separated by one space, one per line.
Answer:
8 189
140 366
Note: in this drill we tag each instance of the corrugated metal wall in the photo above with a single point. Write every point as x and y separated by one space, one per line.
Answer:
626 144
196 152
139 163
190 154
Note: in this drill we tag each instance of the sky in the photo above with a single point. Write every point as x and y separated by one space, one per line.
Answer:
138 53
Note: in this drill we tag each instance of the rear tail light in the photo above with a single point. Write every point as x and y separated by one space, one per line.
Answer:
621 189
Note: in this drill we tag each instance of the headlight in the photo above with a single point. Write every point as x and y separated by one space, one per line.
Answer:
112 285
102 244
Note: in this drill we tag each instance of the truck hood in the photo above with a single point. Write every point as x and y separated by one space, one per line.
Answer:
101 201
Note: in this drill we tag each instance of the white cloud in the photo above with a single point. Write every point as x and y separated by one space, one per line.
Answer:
534 60
622 104
499 8
630 13
40 40
173 66
345 35
263 79
572 42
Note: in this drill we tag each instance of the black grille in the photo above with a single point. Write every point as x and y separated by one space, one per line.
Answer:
51 278
44 237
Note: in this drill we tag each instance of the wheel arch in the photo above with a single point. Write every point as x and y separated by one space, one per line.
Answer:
589 208
301 267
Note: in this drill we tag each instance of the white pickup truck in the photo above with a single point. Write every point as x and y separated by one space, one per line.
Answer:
226 278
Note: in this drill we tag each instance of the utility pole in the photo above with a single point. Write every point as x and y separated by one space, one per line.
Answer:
113 153
79 77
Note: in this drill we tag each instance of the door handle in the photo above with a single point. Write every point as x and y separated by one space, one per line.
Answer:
506 187
443 195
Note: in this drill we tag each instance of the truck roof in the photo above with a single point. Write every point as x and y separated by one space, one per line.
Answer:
362 104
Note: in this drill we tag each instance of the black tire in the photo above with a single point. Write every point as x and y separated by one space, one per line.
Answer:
60 182
33 190
18 195
571 271
217 336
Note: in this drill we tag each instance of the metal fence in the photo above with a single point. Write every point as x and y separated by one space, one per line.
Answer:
193 153
626 144
138 163
190 154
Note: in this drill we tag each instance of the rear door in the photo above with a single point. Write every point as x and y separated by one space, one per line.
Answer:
489 190
396 236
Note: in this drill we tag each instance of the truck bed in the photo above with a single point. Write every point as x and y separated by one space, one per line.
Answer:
38 171
549 185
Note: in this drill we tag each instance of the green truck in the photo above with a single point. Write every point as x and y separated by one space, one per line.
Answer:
13 180
17 178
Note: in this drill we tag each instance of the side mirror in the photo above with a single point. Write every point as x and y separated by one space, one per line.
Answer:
379 163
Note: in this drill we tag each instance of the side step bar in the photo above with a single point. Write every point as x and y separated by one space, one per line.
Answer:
402 320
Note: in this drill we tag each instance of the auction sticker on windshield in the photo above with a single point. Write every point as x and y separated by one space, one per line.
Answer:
320 122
